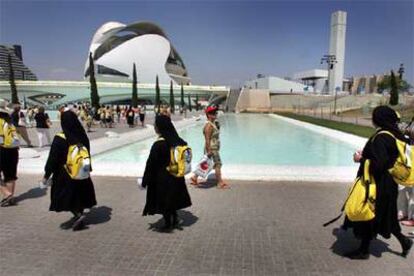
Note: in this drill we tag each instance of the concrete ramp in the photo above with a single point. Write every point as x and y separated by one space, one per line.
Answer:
253 100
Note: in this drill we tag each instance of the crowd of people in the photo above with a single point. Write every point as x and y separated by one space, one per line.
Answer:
166 193
105 116
73 190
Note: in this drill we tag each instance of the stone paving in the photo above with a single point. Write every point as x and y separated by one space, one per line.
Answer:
254 228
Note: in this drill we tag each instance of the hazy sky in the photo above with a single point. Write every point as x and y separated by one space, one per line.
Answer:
221 42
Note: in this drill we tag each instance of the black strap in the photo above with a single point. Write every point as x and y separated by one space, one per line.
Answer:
343 207
333 220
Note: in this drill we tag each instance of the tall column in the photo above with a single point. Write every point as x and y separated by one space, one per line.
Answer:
337 48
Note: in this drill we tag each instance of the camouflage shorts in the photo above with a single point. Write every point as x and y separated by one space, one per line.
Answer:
216 158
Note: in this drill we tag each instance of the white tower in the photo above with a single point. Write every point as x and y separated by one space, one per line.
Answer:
337 48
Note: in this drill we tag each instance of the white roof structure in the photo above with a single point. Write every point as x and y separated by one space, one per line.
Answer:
115 47
311 74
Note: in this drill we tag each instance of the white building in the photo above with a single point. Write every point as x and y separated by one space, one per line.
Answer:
275 84
315 80
115 47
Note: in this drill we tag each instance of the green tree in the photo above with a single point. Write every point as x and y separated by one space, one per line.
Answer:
157 96
394 89
172 103
13 88
92 81
189 102
134 100
182 96
385 84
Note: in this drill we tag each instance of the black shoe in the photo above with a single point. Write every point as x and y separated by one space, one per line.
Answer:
68 224
79 223
7 201
407 247
175 220
166 228
357 255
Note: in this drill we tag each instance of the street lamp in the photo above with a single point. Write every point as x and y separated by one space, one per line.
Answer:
330 61
401 70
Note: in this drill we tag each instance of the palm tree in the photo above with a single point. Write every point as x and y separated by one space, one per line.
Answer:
394 89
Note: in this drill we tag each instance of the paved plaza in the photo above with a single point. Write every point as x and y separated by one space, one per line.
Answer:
255 228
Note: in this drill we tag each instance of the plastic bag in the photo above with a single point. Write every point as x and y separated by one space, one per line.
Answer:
139 183
204 167
44 184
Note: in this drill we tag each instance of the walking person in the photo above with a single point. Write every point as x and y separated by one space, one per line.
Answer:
382 152
108 116
102 117
211 133
405 200
130 117
142 115
68 194
165 193
9 156
42 127
30 116
19 121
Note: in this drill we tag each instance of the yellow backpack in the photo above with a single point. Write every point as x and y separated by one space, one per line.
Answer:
360 204
180 160
78 161
402 171
8 135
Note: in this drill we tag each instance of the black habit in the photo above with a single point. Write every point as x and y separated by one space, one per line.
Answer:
165 192
66 194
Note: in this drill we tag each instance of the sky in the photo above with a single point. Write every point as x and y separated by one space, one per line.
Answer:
220 42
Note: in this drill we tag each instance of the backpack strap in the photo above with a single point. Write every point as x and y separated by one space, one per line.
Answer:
384 132
61 135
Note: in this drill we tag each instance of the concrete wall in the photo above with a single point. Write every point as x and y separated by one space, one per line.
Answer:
254 100
275 84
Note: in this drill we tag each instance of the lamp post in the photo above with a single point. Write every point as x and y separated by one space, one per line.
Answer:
401 71
330 61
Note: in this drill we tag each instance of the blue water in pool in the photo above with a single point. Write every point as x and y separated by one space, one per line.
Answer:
252 139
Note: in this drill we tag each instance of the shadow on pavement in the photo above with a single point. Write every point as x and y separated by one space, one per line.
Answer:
210 182
32 193
185 218
98 215
346 242
207 184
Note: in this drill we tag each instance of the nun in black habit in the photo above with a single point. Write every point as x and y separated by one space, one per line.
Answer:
68 194
383 152
165 193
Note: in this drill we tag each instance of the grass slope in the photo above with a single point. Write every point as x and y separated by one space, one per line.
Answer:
362 131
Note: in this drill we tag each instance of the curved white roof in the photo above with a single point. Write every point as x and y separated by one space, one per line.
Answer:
116 46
